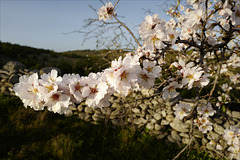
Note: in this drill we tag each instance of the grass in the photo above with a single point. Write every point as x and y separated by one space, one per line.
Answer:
27 134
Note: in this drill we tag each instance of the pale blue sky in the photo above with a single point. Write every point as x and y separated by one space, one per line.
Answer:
41 23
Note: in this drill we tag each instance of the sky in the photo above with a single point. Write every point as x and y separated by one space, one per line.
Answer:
44 23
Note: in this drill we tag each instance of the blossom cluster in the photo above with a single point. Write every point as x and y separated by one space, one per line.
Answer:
155 32
187 25
183 110
232 136
202 121
189 75
57 93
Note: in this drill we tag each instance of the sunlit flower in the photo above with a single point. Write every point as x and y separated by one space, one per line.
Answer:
151 68
149 24
58 102
106 12
77 86
182 110
203 124
170 90
96 89
28 90
206 111
192 75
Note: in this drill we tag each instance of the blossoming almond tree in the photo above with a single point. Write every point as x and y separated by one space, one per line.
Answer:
206 34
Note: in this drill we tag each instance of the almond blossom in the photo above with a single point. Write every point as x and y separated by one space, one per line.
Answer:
151 68
234 61
232 136
57 102
149 24
170 90
206 111
192 75
235 79
203 124
28 91
96 89
106 12
123 74
77 87
182 110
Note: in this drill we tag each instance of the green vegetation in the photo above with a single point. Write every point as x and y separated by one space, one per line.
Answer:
27 134
82 62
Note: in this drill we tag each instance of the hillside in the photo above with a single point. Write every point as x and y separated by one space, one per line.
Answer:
80 61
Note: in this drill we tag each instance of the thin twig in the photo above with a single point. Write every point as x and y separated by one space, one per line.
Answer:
131 33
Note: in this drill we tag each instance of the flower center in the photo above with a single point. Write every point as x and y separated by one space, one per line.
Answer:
144 76
50 88
155 39
109 10
77 87
93 90
55 97
123 75
149 69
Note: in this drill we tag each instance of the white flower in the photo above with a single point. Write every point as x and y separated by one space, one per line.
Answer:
192 75
123 74
64 85
154 40
171 24
232 136
170 90
182 66
106 12
203 124
96 89
234 61
50 83
226 88
234 153
58 102
225 12
77 87
206 111
182 110
204 81
195 17
48 88
145 80
224 98
151 68
231 133
172 35
205 128
149 24
223 68
51 77
235 78
28 90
